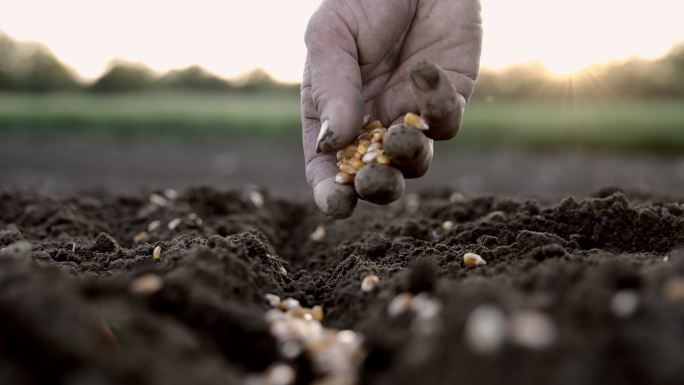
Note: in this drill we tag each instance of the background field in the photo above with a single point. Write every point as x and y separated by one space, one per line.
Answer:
631 125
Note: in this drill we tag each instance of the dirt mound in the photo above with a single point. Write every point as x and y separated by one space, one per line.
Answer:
601 278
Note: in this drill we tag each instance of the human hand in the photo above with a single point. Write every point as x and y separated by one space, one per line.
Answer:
375 58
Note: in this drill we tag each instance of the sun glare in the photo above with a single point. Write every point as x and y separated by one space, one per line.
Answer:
232 37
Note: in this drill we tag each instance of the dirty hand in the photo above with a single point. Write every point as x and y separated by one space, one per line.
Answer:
375 58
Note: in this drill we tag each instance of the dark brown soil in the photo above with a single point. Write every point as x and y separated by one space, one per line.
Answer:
67 315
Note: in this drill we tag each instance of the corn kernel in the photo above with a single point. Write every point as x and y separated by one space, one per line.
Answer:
348 169
361 149
472 259
369 157
156 254
154 225
383 159
272 299
356 163
141 237
175 222
416 121
158 200
448 225
282 271
369 282
373 125
378 137
340 155
318 234
400 304
146 285
344 178
349 151
364 142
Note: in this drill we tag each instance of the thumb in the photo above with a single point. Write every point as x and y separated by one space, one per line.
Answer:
335 78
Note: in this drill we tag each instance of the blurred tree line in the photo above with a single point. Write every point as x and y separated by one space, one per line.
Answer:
32 67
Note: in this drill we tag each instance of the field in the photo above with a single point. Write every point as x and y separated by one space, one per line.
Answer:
632 125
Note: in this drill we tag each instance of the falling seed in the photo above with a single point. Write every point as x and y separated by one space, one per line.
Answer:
154 225
532 329
147 285
141 237
158 200
272 299
448 225
73 247
369 282
290 304
318 234
415 121
171 194
666 258
624 303
472 259
280 374
156 254
673 289
400 304
412 202
175 222
317 313
282 271
485 329
256 198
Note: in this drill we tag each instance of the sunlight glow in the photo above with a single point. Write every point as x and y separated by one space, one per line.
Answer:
231 37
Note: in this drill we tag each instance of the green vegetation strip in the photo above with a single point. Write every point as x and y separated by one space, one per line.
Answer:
626 125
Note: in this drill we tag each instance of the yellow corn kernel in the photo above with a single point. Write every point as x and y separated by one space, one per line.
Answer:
416 121
382 158
340 155
349 151
362 149
356 163
364 142
156 254
377 137
472 259
347 168
344 178
373 125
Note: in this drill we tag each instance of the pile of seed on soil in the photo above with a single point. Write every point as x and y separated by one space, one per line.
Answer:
580 291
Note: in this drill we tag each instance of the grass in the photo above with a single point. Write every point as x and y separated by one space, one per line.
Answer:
638 125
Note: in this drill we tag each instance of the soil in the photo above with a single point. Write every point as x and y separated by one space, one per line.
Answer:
68 315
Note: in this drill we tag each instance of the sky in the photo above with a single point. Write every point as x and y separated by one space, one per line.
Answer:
232 37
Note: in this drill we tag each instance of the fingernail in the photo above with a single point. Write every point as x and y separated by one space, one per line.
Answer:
425 76
323 136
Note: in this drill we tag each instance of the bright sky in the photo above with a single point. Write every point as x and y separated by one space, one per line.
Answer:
231 37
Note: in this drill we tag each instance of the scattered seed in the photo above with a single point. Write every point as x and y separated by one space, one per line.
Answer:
472 259
153 226
349 151
156 254
158 200
532 329
272 299
673 289
378 137
400 304
282 271
171 194
347 168
146 285
256 198
485 329
340 155
369 282
318 234
416 121
448 225
457 197
141 237
624 303
356 163
174 223
426 307
666 258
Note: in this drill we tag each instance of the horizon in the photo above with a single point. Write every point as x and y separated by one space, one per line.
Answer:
564 50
